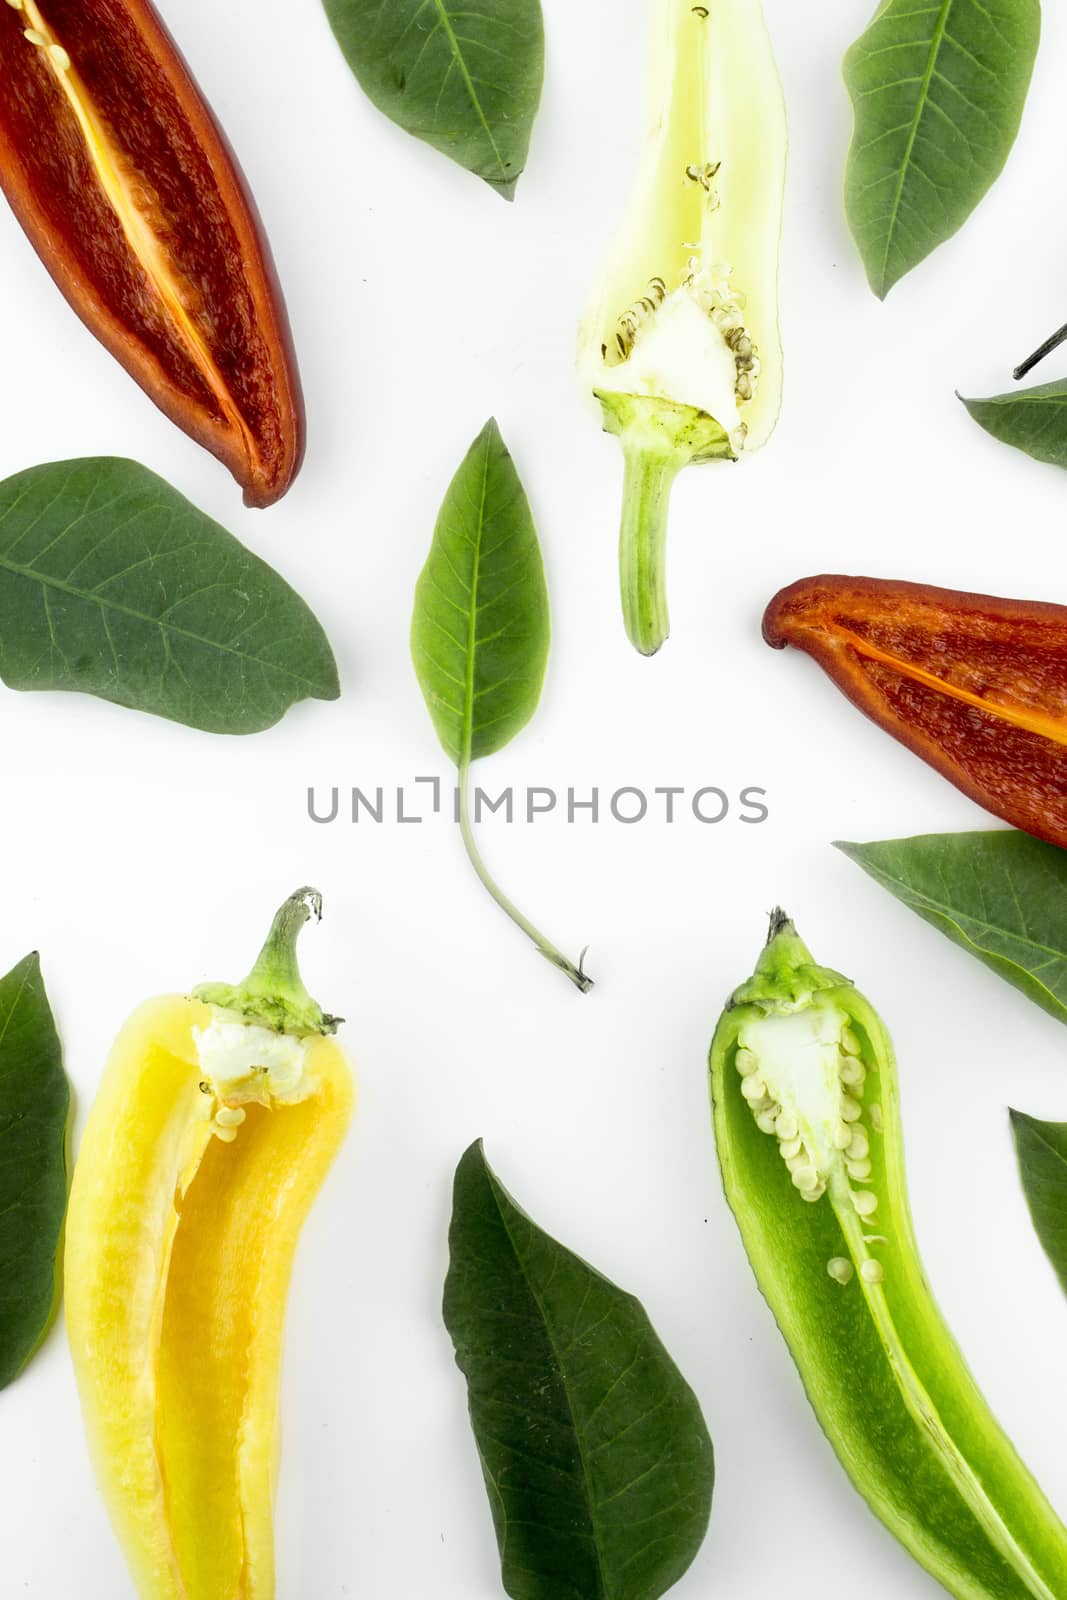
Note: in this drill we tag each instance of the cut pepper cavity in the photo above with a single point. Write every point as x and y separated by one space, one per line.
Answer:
125 186
216 1122
976 686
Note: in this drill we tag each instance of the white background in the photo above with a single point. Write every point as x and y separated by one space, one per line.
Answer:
142 857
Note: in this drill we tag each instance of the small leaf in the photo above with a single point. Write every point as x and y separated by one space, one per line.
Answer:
112 584
938 92
1042 1151
1034 420
34 1106
1000 894
596 1458
480 633
465 78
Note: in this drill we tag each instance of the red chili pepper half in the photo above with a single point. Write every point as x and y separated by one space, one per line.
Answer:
128 192
975 686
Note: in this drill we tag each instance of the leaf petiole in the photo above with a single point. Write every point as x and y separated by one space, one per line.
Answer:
1053 342
576 974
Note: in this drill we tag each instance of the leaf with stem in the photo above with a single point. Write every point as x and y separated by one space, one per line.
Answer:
480 635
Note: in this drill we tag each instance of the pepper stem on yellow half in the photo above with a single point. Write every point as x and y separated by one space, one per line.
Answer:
659 438
274 993
643 548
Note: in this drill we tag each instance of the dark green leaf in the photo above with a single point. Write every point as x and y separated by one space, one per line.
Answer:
34 1105
1001 895
1042 1151
465 78
596 1457
480 633
938 91
112 584
1034 420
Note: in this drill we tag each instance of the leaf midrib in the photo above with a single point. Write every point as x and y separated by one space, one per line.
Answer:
954 915
467 738
23 985
920 110
446 23
594 1524
169 628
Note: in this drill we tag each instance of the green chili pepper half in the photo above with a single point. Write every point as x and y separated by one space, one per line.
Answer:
807 1125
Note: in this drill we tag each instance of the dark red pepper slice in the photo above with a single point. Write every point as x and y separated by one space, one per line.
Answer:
975 686
130 195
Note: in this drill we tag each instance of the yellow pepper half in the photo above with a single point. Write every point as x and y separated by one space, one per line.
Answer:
216 1122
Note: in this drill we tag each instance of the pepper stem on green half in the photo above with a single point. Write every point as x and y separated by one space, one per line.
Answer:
659 438
274 993
786 975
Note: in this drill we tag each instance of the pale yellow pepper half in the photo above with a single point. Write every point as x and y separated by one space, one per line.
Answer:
680 342
216 1122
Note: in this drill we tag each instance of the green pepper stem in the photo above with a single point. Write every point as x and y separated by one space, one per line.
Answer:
577 976
649 478
274 993
785 973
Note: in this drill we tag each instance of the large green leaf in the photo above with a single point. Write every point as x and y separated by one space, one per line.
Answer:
1033 420
938 90
465 78
112 584
480 633
1042 1151
596 1457
1000 894
34 1105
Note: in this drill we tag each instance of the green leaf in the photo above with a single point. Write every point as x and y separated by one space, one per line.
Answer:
1042 1151
1034 420
938 91
34 1106
1000 894
596 1458
480 633
112 584
465 78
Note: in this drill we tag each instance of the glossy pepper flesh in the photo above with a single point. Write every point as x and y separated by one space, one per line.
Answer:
974 685
125 185
216 1121
808 1132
